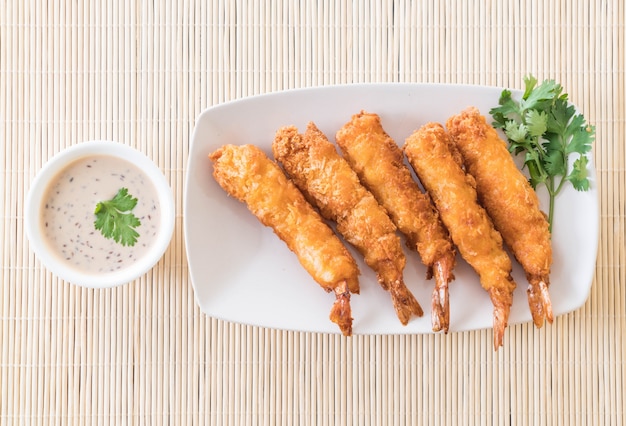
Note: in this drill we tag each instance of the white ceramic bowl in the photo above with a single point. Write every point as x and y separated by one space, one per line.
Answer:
53 261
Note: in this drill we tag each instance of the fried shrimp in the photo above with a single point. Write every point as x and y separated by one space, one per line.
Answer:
379 163
511 203
247 174
327 180
432 156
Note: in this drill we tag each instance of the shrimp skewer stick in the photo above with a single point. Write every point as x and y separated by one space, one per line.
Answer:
247 174
511 203
379 163
435 162
327 180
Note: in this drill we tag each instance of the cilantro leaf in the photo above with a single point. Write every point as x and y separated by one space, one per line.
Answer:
508 108
560 115
555 163
545 127
581 139
537 122
115 220
539 97
529 85
578 175
516 132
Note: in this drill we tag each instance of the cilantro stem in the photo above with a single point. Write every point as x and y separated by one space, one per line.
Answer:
551 193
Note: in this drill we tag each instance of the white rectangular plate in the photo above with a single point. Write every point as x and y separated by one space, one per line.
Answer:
242 272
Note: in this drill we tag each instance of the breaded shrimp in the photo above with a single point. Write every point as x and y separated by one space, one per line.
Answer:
327 180
379 163
436 165
511 203
247 174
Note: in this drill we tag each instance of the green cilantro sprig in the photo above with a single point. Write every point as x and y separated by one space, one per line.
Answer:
115 219
544 127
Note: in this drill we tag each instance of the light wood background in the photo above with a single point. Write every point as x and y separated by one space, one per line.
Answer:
140 72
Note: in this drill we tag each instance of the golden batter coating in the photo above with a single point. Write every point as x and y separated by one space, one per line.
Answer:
510 201
431 154
327 180
379 163
247 174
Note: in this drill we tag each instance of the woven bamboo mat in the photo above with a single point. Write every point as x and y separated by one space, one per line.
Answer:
140 72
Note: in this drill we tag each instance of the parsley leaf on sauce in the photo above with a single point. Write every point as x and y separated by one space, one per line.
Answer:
115 219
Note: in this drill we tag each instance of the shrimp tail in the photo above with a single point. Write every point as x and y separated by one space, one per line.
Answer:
539 301
341 313
502 301
440 315
404 302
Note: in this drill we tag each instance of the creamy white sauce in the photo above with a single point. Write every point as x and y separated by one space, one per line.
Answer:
67 219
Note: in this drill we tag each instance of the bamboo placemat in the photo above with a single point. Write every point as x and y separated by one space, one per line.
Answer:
140 72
